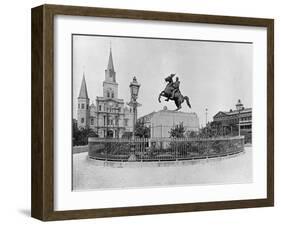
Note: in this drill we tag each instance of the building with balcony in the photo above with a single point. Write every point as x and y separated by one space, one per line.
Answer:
233 122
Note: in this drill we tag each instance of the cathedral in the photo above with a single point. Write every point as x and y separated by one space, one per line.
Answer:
109 117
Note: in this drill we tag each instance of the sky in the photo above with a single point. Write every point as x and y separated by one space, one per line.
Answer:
214 75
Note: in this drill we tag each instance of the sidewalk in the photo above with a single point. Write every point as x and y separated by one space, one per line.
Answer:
87 175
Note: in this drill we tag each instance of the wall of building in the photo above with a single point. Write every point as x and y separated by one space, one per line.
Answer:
109 112
83 113
163 121
111 88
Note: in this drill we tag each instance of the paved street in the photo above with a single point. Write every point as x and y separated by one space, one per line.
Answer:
88 175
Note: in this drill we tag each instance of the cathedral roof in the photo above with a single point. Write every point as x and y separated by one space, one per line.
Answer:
83 90
110 62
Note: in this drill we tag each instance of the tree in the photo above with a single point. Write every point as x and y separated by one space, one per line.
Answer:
178 131
80 135
141 130
192 134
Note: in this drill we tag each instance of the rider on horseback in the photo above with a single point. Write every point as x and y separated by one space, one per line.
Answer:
172 92
176 86
172 87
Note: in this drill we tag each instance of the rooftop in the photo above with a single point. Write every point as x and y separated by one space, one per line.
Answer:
233 112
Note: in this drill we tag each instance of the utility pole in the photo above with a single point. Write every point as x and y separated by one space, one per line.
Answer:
239 133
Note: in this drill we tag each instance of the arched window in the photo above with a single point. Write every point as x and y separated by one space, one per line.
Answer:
108 94
112 95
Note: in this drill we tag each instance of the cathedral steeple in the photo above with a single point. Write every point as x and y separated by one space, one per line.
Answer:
83 110
110 86
109 72
83 90
110 62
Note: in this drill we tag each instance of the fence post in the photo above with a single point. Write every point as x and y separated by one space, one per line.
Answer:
141 147
175 148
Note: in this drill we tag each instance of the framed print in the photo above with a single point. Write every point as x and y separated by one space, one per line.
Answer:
141 112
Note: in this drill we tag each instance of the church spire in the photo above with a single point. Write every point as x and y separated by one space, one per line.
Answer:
110 66
83 90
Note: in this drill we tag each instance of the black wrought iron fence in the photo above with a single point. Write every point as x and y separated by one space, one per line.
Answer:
163 149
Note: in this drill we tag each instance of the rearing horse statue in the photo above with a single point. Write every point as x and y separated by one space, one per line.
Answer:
177 97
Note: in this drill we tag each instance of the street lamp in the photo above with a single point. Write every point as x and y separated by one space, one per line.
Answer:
134 88
239 132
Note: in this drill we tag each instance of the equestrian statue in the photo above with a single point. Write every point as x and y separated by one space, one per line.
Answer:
172 92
